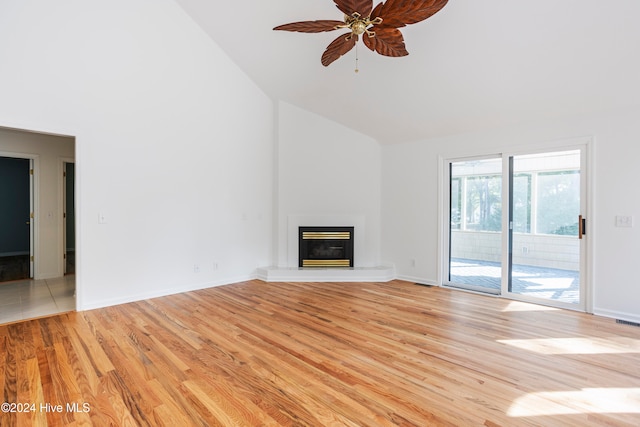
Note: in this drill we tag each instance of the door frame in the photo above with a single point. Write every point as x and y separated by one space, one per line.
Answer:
63 208
586 145
444 277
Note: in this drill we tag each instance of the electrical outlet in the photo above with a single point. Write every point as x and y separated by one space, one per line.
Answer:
624 221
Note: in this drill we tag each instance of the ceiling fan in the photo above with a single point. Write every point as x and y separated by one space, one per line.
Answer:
379 25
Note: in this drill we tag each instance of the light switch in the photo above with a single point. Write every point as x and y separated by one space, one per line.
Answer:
102 218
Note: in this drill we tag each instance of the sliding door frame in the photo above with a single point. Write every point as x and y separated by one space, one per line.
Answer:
446 273
586 145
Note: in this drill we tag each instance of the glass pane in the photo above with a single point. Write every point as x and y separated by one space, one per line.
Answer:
522 203
558 203
545 258
475 228
456 204
484 203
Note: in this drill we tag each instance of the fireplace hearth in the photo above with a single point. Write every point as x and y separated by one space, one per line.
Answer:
325 247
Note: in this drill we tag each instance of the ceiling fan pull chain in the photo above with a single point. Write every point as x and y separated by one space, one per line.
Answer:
356 70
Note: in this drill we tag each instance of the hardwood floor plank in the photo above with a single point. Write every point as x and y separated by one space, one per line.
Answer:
173 411
64 388
320 354
116 402
10 370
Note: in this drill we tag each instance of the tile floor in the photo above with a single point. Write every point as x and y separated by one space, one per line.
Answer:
27 299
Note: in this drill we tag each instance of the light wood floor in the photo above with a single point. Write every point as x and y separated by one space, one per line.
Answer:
322 354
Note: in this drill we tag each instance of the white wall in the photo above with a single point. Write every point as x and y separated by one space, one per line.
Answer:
327 175
48 153
410 200
175 149
173 142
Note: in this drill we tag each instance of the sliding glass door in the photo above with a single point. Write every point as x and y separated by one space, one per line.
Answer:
475 233
546 227
516 226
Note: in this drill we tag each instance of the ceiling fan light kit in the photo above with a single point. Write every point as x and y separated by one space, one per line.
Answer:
380 25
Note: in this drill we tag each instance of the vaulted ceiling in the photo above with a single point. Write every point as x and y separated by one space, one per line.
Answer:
475 65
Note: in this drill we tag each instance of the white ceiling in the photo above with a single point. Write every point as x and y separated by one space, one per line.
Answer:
477 64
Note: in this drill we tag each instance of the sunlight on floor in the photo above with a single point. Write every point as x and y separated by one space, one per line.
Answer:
587 400
611 345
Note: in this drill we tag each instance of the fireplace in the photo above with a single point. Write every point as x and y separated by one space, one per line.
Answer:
325 247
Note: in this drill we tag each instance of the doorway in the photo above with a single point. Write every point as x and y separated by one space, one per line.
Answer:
517 227
45 290
16 225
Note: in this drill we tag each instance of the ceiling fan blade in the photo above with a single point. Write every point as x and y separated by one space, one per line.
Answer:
348 7
343 44
387 41
311 26
399 13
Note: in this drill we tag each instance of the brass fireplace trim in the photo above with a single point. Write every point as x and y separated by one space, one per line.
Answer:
326 263
326 235
325 246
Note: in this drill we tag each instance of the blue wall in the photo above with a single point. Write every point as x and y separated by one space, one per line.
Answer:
14 206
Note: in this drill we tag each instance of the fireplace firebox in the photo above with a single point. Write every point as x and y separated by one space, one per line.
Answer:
325 247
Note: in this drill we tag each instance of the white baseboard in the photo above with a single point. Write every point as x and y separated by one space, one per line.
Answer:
629 317
420 280
159 293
